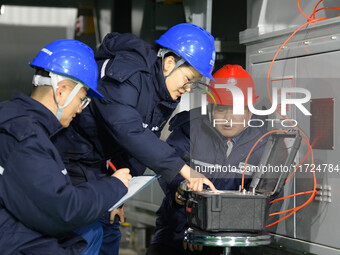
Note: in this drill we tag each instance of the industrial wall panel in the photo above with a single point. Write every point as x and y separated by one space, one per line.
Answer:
18 46
318 73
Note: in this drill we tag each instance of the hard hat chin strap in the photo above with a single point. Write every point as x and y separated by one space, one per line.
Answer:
161 53
53 81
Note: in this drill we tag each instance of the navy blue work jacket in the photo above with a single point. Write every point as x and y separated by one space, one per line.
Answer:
193 135
126 124
39 206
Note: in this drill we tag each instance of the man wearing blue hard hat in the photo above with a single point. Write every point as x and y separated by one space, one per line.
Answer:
142 87
41 212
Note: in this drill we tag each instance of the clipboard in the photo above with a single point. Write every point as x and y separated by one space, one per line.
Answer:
136 184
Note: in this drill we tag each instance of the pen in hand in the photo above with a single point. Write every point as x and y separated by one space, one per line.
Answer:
112 166
122 174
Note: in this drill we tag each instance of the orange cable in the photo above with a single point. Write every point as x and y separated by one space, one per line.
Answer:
311 20
324 8
293 195
316 6
304 204
306 140
277 213
298 4
271 65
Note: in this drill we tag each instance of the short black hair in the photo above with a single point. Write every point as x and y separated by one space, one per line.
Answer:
42 72
157 47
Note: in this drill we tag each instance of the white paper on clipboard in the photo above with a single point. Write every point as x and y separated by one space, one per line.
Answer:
136 184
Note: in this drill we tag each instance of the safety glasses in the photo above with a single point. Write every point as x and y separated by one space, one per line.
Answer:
85 102
190 85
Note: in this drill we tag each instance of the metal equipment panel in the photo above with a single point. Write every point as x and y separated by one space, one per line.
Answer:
311 60
319 74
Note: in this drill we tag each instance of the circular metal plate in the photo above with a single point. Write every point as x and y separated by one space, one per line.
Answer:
226 239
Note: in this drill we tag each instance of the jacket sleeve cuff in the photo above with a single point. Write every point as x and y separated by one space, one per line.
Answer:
170 175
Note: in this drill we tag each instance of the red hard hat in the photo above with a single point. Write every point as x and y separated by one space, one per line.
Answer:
231 75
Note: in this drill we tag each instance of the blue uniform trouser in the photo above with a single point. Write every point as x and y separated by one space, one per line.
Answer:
93 234
111 237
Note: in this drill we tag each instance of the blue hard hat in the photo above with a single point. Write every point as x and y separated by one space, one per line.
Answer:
194 44
71 58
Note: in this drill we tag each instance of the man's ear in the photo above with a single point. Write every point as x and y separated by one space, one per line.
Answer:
169 64
61 93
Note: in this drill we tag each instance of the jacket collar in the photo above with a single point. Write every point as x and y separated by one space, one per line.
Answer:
39 113
160 84
129 55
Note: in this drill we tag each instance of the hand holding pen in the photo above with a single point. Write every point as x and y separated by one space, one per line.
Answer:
122 174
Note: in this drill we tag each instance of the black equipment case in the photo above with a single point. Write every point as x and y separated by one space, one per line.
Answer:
246 211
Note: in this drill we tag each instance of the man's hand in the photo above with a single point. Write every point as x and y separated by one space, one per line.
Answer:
120 213
196 180
179 196
192 247
123 174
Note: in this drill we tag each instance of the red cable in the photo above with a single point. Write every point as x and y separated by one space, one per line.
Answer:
298 4
277 213
293 195
324 8
306 138
316 6
295 209
277 53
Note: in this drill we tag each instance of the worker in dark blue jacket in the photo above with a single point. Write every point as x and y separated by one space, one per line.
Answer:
210 145
142 87
41 212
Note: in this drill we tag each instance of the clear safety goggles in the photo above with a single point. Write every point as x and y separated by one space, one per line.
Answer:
191 85
85 102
